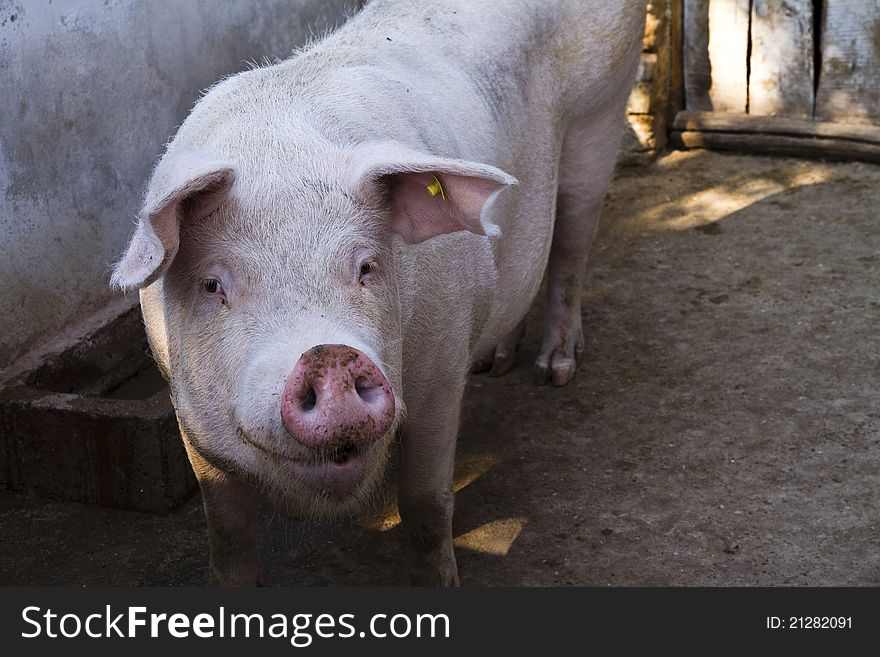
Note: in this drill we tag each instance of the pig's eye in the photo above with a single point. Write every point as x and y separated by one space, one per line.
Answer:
367 267
213 286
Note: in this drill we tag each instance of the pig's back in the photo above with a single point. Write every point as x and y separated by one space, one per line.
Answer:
518 48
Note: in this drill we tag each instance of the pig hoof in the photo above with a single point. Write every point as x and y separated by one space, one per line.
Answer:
556 369
557 363
482 365
503 358
496 363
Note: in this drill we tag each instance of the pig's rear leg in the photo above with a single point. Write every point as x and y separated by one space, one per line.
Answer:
589 154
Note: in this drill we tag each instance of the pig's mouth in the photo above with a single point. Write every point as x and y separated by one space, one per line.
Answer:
335 470
340 455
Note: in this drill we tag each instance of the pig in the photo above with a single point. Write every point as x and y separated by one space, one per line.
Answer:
331 244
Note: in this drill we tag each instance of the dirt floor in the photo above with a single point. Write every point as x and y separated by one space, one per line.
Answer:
723 429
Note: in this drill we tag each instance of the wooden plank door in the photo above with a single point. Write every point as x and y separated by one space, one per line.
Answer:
728 45
716 36
793 77
781 79
749 56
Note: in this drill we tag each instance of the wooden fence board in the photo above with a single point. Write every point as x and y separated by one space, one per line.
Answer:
781 80
728 45
776 136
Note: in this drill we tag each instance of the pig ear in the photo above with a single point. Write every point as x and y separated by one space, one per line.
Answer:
427 196
184 187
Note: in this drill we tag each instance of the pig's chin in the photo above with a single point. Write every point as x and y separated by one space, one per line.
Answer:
328 484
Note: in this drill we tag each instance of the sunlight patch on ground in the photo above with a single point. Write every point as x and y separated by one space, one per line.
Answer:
661 211
471 467
494 537
389 519
468 469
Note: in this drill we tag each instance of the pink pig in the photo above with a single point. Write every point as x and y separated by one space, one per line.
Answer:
330 244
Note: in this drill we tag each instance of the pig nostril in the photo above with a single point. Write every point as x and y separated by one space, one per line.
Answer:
335 402
310 400
366 390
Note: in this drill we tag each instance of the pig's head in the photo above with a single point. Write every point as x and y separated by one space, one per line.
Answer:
274 305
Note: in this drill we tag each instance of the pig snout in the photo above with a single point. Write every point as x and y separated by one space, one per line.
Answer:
336 397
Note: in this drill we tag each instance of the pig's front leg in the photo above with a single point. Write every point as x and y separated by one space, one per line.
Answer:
424 488
232 511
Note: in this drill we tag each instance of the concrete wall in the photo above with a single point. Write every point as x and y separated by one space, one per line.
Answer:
90 91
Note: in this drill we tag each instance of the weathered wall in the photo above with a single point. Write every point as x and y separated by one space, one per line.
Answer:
89 93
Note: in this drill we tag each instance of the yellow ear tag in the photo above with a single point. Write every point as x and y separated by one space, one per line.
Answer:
436 188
